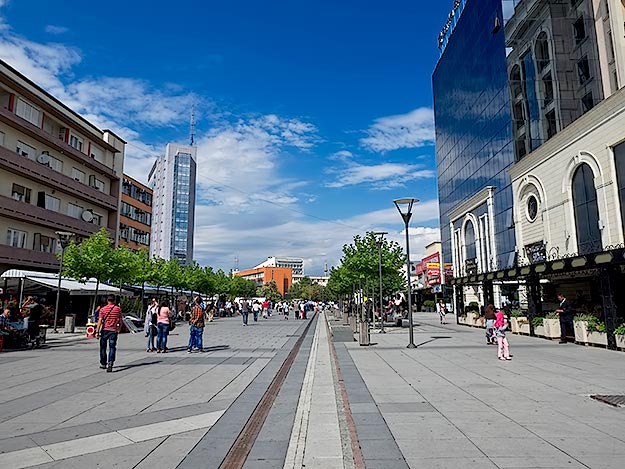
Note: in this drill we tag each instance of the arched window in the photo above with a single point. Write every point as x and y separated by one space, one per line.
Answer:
516 85
586 210
541 52
469 240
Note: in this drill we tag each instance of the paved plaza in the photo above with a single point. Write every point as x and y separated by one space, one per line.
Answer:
448 403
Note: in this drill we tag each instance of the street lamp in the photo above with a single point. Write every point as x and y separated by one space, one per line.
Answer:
379 238
404 207
64 238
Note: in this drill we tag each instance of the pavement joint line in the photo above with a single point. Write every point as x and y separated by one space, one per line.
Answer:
297 442
105 441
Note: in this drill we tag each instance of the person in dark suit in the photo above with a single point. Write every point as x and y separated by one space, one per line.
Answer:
565 312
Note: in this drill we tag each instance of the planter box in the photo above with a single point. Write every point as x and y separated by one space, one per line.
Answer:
514 325
581 331
479 321
462 319
620 341
539 331
552 328
471 318
598 338
524 325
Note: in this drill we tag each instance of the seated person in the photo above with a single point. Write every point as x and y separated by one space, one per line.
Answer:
5 321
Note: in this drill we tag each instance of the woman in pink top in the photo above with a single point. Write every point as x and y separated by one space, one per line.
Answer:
503 350
163 316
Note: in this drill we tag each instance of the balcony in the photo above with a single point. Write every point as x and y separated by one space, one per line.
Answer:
52 141
28 258
32 214
32 170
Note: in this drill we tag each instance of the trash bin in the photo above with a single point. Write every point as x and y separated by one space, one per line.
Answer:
70 323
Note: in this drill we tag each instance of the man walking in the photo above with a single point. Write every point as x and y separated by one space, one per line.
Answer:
565 312
196 329
109 325
245 310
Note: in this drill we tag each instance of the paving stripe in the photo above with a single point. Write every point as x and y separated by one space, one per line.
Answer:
93 444
297 444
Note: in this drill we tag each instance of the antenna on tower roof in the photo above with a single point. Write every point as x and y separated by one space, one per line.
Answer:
192 125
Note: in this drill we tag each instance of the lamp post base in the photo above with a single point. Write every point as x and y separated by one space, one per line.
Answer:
411 346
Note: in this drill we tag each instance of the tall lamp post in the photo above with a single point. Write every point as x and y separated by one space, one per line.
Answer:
379 238
404 206
64 238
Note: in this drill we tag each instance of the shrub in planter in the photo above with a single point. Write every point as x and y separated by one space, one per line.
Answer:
580 326
596 333
539 329
551 323
429 305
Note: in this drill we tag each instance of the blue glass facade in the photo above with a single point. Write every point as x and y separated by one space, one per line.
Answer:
474 142
182 210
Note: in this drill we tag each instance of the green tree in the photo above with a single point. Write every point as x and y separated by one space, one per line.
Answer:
359 267
240 286
93 258
270 291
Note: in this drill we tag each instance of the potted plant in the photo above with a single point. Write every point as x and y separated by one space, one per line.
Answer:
429 305
551 323
539 328
596 333
619 335
518 322
462 317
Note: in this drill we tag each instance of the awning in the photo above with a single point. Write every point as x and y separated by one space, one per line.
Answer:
72 286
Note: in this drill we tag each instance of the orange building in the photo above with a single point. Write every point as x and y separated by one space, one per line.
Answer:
135 218
283 276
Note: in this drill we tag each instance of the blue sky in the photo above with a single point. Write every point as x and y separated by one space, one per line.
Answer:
311 116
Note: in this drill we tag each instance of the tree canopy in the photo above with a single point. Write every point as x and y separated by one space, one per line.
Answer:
360 267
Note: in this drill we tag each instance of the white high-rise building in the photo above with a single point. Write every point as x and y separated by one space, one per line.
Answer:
172 179
295 263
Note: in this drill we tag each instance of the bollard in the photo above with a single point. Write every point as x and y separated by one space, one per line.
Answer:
91 331
352 324
364 334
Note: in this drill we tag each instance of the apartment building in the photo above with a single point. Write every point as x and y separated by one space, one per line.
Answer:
58 172
283 276
135 218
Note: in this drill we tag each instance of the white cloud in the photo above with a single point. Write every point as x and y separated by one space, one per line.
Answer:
412 130
52 29
380 176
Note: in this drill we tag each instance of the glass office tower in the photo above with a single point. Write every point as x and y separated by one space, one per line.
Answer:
173 220
474 143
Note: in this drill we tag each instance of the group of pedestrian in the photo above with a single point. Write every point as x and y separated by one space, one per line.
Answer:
159 322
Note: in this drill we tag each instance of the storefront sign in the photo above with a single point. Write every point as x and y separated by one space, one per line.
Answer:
536 252
470 266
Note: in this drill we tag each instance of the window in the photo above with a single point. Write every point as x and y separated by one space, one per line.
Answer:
2 138
579 30
74 211
55 164
96 183
48 202
20 193
16 238
583 70
586 210
587 102
27 111
516 85
469 240
550 120
76 142
619 161
44 243
78 175
548 89
26 150
97 153
517 113
532 208
541 52
97 219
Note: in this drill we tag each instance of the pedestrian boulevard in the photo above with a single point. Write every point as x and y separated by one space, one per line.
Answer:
449 403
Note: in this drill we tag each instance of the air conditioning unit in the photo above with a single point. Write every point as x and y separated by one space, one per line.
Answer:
87 215
44 159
